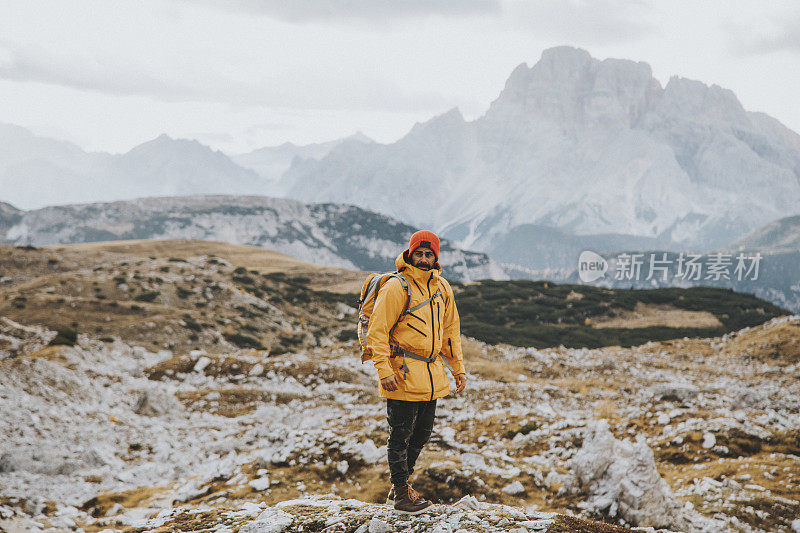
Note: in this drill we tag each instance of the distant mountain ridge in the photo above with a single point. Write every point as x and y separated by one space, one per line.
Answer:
587 147
37 171
779 236
324 234
270 162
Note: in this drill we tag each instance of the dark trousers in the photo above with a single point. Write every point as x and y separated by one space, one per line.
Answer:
410 425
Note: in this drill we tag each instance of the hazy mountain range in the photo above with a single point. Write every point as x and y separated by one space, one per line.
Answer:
271 162
37 171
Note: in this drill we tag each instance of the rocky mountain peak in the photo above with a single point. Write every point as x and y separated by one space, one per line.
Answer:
560 61
695 99
569 87
164 144
441 123
9 215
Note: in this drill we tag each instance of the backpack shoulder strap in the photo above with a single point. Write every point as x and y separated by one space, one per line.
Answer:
407 288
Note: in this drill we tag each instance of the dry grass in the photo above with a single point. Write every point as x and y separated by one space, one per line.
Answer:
202 521
779 343
569 524
310 372
490 364
236 368
250 257
587 388
771 344
606 409
100 504
232 402
49 353
145 293
648 315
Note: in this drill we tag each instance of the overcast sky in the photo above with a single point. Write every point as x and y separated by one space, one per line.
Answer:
241 74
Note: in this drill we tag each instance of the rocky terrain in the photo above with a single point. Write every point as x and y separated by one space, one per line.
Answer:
144 429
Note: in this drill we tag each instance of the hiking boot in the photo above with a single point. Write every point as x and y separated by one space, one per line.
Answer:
390 496
407 501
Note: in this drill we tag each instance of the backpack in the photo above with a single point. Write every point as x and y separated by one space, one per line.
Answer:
366 302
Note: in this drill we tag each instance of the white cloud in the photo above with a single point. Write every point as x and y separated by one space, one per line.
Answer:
37 64
783 35
585 21
372 11
6 58
311 90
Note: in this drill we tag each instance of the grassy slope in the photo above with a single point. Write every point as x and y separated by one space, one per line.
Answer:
147 293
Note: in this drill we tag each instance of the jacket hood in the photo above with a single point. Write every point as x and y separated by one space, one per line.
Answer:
417 273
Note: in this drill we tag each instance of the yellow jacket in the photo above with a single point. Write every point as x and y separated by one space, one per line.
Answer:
428 331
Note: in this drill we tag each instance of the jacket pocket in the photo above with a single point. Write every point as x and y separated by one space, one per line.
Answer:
417 379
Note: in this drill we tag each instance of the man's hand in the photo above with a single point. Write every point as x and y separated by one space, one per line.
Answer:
390 383
461 382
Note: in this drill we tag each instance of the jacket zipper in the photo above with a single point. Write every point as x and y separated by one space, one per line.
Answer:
433 321
438 318
420 288
433 333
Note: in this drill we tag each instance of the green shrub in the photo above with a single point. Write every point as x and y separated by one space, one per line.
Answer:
64 337
148 296
527 428
348 334
538 314
243 341
291 340
183 293
191 324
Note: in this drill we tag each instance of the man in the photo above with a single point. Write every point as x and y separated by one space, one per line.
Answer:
408 358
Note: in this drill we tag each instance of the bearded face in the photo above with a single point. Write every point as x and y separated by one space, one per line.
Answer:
423 258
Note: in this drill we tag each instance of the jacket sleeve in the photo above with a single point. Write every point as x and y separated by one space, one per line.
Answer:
451 341
388 306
